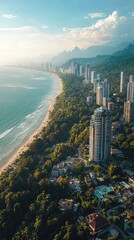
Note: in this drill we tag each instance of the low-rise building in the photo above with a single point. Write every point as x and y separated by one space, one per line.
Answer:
74 184
59 170
131 180
68 204
96 223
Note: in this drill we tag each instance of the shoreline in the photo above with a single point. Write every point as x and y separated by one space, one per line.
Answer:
6 164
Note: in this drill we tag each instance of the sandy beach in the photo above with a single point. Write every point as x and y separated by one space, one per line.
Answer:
8 162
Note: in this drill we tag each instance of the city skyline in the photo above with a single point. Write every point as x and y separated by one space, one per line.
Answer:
29 29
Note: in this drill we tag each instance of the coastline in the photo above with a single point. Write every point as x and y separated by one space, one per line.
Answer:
28 141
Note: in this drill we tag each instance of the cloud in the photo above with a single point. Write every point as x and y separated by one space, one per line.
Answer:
29 41
132 14
45 26
9 16
95 15
24 28
100 32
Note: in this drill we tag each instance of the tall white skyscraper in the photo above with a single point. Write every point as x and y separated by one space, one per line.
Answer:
100 76
72 68
129 111
122 82
100 135
81 70
130 89
129 104
99 94
93 76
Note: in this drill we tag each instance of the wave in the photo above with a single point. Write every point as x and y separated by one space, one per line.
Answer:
22 125
39 78
2 135
18 86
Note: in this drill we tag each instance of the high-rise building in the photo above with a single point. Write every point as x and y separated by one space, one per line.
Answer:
100 77
93 76
87 72
95 85
130 89
129 111
105 102
99 94
122 82
100 135
111 106
106 88
129 104
72 68
81 70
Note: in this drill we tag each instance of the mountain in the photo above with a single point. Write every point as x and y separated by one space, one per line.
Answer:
100 59
92 51
127 51
66 55
93 61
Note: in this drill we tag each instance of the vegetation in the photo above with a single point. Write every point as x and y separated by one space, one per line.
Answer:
29 206
28 200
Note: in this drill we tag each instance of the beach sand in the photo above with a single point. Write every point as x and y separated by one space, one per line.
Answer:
9 162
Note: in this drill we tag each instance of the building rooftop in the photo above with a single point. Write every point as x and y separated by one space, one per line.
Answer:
96 222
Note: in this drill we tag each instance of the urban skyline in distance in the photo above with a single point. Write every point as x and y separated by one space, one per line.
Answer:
29 29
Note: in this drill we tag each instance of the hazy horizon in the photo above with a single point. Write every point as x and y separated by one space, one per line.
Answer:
29 29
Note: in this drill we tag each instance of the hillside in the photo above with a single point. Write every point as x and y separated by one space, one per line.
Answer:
120 60
90 52
92 61
111 66
129 50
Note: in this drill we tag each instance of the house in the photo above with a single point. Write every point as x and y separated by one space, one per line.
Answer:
96 223
131 180
55 172
59 170
116 152
130 213
74 184
87 179
68 204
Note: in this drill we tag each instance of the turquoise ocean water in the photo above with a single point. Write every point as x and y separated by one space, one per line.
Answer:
25 96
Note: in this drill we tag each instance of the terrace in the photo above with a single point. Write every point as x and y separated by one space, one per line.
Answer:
101 191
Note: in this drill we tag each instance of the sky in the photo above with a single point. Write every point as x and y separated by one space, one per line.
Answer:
30 28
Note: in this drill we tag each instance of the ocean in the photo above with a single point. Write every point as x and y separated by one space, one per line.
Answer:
25 96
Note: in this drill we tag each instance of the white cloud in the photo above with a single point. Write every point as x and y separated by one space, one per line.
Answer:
24 28
100 32
28 41
9 16
95 15
132 14
45 26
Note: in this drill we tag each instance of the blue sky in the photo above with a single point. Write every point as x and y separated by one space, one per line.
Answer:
30 28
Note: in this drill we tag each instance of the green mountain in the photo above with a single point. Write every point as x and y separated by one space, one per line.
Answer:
94 61
111 66
120 60
129 50
90 52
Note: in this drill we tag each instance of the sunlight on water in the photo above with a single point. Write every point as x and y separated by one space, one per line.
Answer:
24 99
